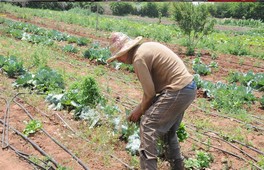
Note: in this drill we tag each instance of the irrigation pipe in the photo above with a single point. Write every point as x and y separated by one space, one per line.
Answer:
5 134
251 157
232 140
261 118
236 120
26 157
210 136
230 153
54 140
31 142
119 160
43 113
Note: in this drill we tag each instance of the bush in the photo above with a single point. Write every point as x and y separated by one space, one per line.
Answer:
70 48
12 67
202 160
121 8
149 9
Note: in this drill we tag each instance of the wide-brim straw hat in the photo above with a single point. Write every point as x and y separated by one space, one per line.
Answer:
120 44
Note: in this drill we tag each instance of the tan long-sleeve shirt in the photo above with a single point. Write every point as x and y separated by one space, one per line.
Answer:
158 68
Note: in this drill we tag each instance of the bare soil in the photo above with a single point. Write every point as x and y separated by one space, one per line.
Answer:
95 158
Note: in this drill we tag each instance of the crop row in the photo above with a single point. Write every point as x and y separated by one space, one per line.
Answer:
35 34
230 98
221 41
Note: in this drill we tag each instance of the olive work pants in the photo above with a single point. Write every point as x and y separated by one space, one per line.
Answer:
161 121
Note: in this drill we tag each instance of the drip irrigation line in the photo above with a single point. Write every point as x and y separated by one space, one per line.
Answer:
31 142
227 117
53 139
119 160
57 114
5 134
77 134
250 147
257 117
234 146
27 158
43 113
227 152
231 140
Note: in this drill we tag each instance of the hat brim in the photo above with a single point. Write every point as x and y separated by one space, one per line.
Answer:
125 49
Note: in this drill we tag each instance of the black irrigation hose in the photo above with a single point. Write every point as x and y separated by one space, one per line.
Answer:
234 146
227 117
5 140
27 158
119 160
53 139
257 117
31 142
230 153
232 140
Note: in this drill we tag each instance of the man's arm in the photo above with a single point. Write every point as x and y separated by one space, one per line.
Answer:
147 84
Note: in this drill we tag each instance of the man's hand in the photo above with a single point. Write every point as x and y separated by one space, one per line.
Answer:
135 114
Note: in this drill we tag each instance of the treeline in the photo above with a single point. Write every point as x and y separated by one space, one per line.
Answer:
242 10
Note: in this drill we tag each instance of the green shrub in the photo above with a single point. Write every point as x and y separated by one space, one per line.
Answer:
202 160
85 93
95 52
70 48
121 8
200 68
12 67
45 80
149 9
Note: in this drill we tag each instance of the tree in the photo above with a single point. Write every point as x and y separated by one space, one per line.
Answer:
194 21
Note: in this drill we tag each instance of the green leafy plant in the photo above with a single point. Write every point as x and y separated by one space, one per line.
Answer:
12 67
202 160
200 68
229 98
82 41
70 48
95 52
181 133
249 79
82 96
32 127
45 80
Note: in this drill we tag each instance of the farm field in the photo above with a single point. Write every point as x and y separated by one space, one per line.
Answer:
46 56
